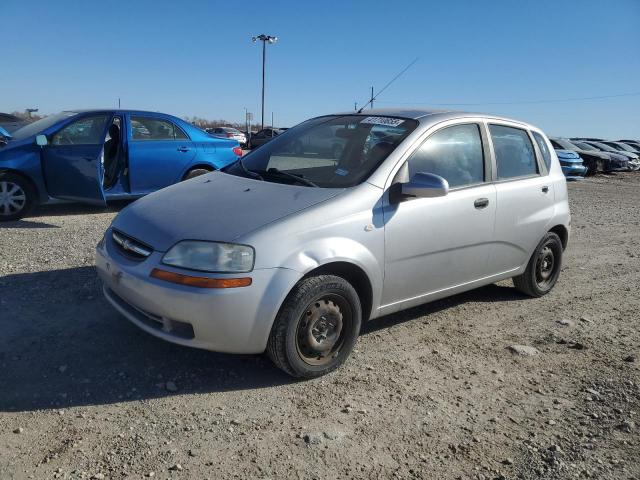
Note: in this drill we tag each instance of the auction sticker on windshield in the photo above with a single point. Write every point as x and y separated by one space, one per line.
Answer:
387 121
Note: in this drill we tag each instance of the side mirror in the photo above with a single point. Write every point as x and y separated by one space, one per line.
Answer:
425 185
41 140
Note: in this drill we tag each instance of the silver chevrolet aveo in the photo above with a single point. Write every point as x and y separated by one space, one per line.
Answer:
337 221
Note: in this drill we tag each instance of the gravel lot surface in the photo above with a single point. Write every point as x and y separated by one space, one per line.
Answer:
432 392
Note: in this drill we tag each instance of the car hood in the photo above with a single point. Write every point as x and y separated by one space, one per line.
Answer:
567 155
10 147
215 206
629 155
617 156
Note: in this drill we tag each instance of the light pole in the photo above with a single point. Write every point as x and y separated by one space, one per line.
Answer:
264 39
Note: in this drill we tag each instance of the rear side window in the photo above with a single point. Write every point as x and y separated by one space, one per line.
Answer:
514 152
180 135
86 131
542 145
455 153
145 128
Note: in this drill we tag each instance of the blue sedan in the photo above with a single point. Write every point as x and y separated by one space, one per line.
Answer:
93 156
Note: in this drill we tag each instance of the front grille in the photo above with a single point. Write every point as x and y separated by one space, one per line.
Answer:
130 247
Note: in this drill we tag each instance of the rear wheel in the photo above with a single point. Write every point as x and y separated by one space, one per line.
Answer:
543 268
17 197
195 172
316 328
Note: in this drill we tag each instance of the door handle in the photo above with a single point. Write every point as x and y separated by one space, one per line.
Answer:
183 149
481 203
545 189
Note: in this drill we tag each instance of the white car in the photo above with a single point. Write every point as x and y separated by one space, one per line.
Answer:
290 253
228 132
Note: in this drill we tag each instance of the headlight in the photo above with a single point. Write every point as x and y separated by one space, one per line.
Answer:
210 257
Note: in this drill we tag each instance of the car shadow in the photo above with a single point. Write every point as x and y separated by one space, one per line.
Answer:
26 224
64 346
489 294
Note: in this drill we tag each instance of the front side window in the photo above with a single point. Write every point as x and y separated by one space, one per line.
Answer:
85 131
514 152
455 153
542 145
333 151
146 128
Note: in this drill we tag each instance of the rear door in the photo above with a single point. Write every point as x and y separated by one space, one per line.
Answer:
159 153
524 197
72 160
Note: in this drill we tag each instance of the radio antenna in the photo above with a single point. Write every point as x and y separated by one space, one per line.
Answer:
388 84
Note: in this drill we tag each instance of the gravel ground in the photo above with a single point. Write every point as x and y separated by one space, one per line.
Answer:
432 392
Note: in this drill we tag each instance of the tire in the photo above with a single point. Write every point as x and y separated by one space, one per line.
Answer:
17 196
543 268
316 327
195 172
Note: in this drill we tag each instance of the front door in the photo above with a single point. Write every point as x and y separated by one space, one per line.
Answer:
72 160
159 153
434 244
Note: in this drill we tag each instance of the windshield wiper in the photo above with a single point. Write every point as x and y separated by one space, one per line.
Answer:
298 178
248 172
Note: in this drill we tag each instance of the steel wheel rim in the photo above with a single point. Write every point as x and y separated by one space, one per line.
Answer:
322 329
12 198
546 266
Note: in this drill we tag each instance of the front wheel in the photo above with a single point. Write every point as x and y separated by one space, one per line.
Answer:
316 328
16 197
543 268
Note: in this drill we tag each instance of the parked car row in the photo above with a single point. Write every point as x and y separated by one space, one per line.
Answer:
94 156
588 156
246 139
229 132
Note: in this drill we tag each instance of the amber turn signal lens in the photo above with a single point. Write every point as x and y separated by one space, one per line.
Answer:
200 282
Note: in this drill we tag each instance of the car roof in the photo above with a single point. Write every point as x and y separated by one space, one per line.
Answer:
115 110
428 114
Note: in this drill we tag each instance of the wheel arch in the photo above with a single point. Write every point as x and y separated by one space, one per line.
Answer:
205 166
353 274
563 233
37 191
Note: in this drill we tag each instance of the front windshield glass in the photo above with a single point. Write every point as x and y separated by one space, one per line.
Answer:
584 146
332 152
604 147
622 146
40 125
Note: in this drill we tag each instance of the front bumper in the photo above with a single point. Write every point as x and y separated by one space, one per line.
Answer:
574 170
234 320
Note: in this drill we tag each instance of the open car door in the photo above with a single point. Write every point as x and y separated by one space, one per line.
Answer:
72 160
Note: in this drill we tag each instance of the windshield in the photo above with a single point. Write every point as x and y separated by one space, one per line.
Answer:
585 146
332 152
622 146
40 125
604 147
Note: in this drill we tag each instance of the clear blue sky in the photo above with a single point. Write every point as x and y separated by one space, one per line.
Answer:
196 57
